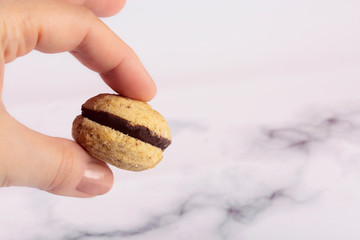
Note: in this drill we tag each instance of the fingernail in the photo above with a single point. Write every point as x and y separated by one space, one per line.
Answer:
97 179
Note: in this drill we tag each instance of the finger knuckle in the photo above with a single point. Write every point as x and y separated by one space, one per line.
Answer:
63 170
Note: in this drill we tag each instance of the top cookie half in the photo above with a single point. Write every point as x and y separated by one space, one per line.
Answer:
140 117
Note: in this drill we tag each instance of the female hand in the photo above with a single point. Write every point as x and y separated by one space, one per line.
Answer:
56 165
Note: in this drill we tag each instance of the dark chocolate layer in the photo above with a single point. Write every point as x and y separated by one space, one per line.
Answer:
120 124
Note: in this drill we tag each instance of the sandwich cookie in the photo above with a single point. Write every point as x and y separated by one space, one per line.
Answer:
126 133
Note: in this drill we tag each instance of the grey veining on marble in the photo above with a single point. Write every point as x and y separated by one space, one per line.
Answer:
301 165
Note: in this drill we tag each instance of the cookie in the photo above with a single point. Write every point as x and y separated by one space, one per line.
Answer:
126 133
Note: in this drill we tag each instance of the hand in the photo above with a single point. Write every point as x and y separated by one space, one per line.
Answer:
29 158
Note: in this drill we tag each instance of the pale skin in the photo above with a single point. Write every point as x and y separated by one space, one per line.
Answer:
56 165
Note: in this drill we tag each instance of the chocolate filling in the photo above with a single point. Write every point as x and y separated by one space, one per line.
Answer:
120 124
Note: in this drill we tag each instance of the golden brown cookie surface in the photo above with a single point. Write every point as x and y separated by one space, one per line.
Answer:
126 133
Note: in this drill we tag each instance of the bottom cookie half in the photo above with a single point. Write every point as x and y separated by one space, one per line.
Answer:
114 147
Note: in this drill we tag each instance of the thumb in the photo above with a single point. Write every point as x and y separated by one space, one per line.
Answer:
59 166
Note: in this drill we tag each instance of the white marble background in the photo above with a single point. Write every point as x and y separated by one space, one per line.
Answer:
263 101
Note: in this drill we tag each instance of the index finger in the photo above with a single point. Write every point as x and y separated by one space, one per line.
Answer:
54 26
116 62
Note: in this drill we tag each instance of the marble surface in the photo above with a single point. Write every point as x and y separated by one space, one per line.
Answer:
263 103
